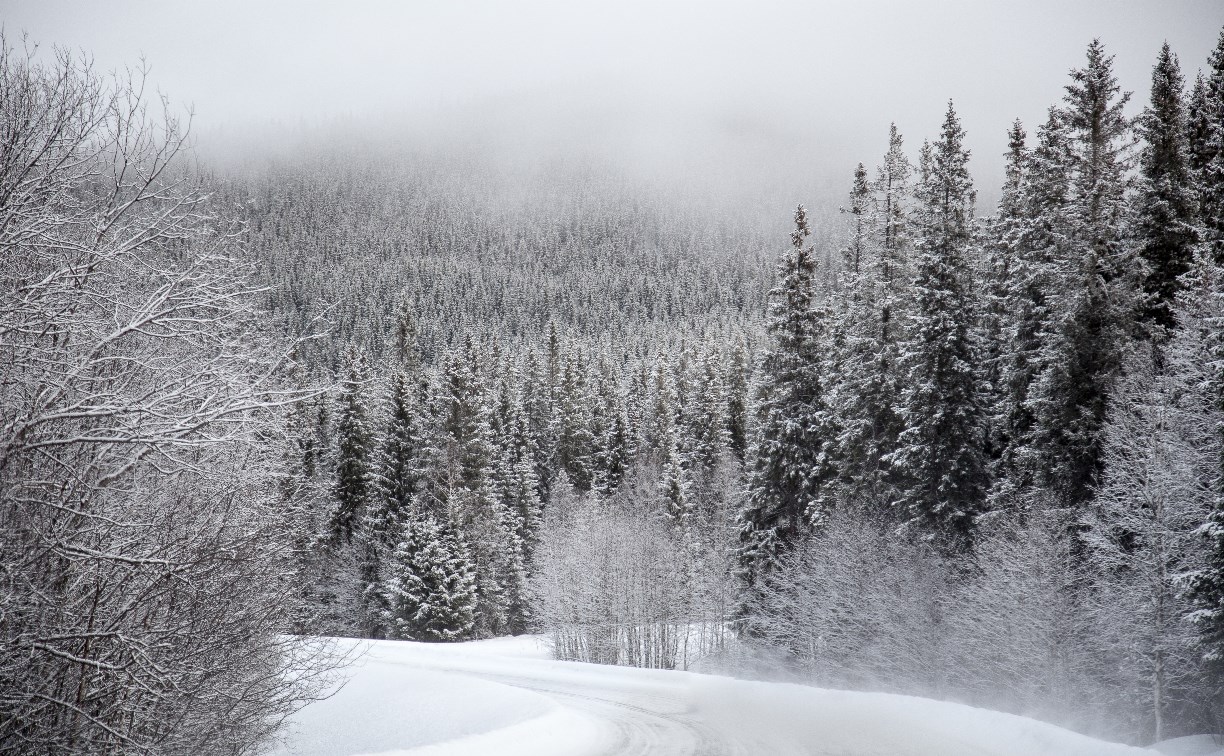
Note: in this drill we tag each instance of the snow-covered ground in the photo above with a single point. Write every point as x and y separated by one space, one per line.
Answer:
507 697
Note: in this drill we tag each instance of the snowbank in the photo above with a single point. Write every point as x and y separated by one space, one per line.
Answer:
507 697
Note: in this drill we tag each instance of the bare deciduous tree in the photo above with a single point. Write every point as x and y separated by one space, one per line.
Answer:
144 554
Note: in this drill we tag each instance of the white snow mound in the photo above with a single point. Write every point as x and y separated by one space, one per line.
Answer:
507 697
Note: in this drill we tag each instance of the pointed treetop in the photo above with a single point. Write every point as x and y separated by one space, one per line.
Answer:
1013 171
1091 96
801 231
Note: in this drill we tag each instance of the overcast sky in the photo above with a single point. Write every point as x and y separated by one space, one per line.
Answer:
811 83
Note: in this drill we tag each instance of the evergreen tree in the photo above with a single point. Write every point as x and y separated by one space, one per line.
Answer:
430 589
460 486
674 487
538 411
1165 224
407 337
855 255
572 424
1198 129
706 422
940 457
870 326
998 316
892 196
790 464
1096 289
615 446
662 413
399 461
1207 152
1036 243
736 384
352 487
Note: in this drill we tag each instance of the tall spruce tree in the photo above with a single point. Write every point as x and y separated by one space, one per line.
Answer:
1037 243
940 454
892 196
706 423
352 485
736 383
399 462
575 448
1095 288
1165 225
1003 233
790 458
865 352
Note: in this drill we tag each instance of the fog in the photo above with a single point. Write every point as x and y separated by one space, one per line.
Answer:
779 98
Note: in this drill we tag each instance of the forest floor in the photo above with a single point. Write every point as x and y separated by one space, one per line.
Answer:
507 696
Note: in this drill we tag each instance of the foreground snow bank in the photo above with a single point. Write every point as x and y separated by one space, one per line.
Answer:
391 703
507 697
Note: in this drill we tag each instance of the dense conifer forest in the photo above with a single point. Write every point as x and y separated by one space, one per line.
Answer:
920 446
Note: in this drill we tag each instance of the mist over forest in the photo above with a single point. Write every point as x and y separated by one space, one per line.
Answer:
837 351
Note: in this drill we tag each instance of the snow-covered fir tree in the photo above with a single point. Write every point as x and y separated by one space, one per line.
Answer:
1096 285
354 445
865 348
790 460
1166 217
940 455
430 585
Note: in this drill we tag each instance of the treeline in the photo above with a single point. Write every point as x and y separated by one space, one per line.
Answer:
987 456
444 470
480 253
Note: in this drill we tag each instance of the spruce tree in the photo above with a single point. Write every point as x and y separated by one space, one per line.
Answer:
399 460
1037 244
1003 233
1166 215
1096 289
790 464
538 411
1198 129
430 588
892 196
352 478
572 426
706 422
865 352
662 413
1207 152
616 447
736 413
674 488
940 454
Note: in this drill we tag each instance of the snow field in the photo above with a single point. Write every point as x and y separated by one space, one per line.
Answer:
506 697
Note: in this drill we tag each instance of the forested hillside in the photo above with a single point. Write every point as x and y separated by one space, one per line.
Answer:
479 252
956 451
917 446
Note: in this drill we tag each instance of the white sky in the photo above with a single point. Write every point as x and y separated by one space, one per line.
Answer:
814 83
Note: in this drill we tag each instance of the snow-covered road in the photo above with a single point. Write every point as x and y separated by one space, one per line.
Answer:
506 697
